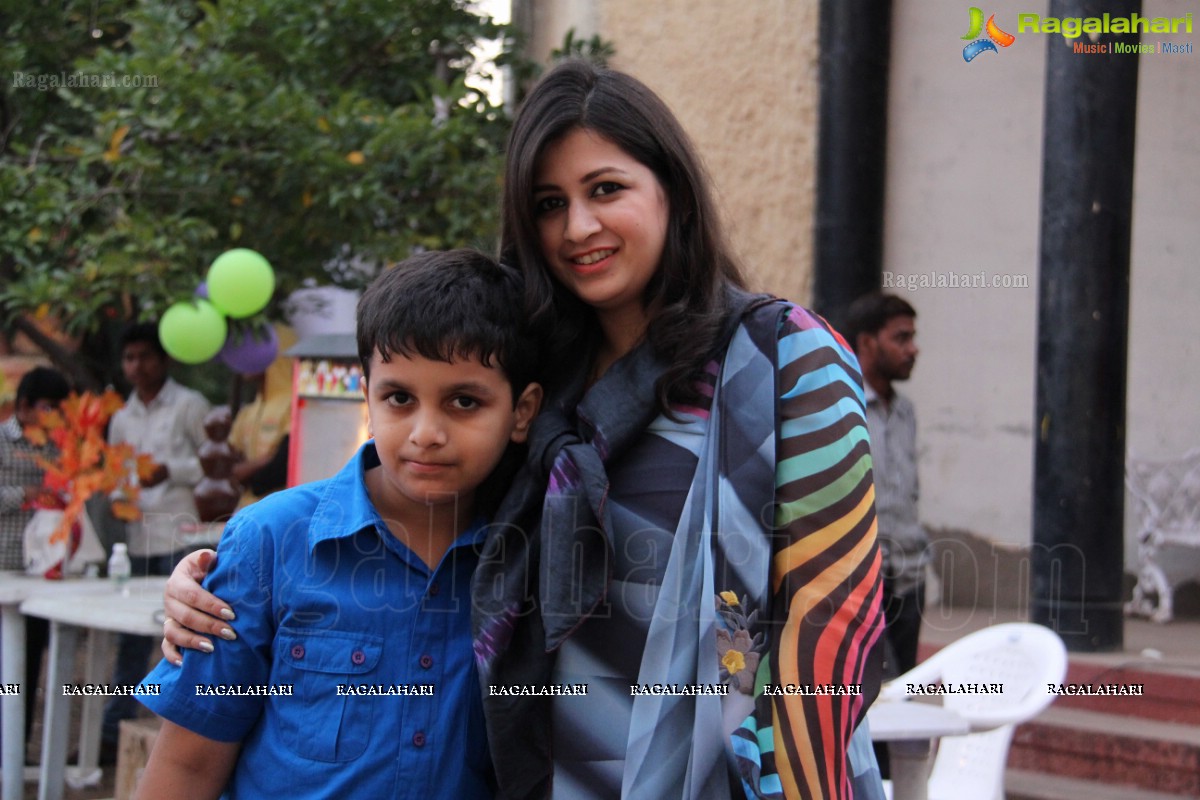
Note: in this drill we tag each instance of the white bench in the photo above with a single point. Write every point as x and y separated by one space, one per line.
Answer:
1166 497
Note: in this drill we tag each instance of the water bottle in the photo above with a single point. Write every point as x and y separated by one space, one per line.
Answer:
119 567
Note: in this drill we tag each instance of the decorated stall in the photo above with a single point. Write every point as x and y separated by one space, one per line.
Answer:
329 415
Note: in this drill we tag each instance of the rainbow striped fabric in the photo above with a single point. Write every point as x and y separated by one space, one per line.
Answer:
825 574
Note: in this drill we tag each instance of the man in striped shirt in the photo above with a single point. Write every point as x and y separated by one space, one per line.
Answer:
41 389
881 328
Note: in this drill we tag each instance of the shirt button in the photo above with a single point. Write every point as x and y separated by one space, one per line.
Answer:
434 589
419 739
426 661
297 651
358 657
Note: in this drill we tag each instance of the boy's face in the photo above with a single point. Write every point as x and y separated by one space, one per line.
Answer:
28 413
440 428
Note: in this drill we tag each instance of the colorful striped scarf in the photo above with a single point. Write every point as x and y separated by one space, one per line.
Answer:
546 568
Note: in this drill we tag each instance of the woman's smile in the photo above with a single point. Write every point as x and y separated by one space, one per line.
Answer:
593 258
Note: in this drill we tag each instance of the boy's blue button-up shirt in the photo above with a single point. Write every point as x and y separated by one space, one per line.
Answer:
374 647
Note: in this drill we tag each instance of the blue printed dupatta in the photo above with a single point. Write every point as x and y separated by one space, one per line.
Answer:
552 534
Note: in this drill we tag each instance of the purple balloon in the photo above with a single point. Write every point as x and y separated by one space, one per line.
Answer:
202 290
250 352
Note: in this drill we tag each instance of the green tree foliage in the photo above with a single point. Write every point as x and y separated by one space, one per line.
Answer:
332 136
596 49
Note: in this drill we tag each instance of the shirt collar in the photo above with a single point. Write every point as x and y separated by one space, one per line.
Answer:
165 395
345 507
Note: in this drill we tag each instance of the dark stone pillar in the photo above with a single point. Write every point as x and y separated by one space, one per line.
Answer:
855 41
1083 310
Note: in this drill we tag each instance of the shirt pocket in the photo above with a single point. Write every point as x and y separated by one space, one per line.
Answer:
318 721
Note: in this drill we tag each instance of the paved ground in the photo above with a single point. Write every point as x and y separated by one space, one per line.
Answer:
1171 646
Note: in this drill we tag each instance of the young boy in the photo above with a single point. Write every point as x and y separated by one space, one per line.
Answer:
40 389
354 592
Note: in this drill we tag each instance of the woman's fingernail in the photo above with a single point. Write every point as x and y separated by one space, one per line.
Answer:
227 633
227 613
178 662
205 645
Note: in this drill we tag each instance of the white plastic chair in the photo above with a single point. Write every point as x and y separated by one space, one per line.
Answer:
1166 499
1024 658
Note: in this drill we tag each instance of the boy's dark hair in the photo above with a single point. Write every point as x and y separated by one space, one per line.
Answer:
447 305
42 383
142 332
870 313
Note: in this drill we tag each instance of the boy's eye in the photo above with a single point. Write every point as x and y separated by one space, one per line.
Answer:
464 403
543 205
398 399
606 188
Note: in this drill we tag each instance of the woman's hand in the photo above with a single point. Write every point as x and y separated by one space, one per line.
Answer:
192 611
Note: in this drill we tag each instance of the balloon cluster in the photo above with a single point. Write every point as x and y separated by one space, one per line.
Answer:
239 284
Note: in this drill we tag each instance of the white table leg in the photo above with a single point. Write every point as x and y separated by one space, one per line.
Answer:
910 766
88 771
12 706
57 720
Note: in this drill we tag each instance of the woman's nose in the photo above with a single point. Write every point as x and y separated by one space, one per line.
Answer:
581 222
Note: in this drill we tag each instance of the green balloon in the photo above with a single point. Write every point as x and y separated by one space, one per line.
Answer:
240 282
192 331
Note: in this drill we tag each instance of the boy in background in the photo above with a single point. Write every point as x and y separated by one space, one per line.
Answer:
40 389
353 593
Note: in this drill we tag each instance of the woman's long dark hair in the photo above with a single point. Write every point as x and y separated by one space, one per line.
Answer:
688 294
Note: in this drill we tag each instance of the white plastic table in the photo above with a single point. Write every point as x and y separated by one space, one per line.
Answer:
15 588
910 729
137 611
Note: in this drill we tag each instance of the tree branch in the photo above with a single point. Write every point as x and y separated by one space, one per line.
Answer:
64 359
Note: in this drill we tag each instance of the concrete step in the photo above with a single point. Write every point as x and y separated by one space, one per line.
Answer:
1105 747
1168 696
1023 785
1110 748
1171 693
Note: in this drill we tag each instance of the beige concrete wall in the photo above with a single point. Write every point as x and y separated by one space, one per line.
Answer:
963 194
742 77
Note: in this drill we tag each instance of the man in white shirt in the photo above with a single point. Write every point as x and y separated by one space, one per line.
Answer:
165 420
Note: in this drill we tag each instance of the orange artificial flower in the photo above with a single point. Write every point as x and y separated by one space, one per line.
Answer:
86 464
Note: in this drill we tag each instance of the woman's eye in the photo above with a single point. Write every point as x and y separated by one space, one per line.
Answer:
546 204
465 403
605 188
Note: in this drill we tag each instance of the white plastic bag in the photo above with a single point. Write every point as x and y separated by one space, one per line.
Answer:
67 557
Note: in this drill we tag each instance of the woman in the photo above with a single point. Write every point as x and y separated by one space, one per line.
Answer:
696 510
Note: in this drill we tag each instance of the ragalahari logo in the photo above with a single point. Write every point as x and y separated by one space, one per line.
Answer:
995 36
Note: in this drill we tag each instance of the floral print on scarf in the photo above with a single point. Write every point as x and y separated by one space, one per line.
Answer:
738 651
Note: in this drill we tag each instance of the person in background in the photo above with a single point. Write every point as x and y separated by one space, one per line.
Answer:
40 389
164 419
260 429
882 330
